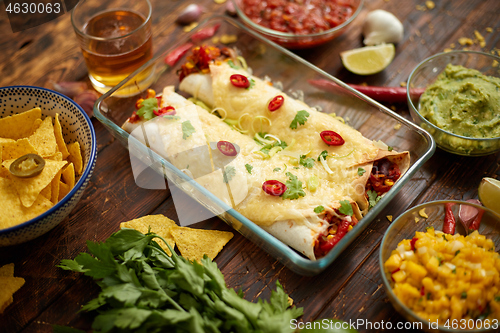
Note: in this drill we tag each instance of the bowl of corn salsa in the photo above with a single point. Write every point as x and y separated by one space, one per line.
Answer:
447 281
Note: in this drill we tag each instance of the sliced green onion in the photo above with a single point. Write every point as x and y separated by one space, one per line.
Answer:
261 154
325 165
291 144
272 136
199 103
261 139
312 183
352 151
239 123
218 110
274 150
260 118
243 62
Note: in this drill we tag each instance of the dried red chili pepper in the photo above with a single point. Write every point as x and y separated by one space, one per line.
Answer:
176 54
449 219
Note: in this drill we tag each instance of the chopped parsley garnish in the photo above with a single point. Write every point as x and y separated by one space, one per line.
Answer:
440 261
444 237
270 146
361 171
456 253
428 295
454 271
497 299
324 153
294 188
187 129
346 208
296 168
276 169
147 108
373 198
300 119
306 161
319 209
463 295
229 173
232 65
249 168
389 148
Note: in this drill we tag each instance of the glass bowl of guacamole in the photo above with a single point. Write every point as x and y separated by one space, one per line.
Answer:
460 106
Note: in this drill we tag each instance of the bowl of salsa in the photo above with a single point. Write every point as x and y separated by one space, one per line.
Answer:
298 24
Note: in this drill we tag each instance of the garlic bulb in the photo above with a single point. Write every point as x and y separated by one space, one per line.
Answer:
382 27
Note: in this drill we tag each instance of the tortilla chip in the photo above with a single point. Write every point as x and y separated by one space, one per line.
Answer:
60 138
29 188
55 187
159 224
36 125
13 212
75 157
8 286
5 140
56 157
44 139
16 149
19 125
47 191
7 270
194 243
68 175
63 190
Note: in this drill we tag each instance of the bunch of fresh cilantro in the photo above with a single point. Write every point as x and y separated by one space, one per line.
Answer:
145 290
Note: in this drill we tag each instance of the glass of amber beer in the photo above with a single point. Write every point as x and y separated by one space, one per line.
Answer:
115 42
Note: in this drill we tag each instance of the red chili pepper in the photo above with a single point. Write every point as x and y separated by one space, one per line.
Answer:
381 94
204 33
332 138
240 81
165 111
422 291
158 100
477 221
412 243
274 187
176 54
341 232
449 219
276 103
396 270
134 118
227 148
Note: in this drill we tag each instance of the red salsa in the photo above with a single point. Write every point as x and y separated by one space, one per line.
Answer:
301 17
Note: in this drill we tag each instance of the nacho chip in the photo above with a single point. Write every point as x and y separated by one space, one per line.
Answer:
16 149
159 224
29 188
56 157
19 125
47 192
44 139
55 188
68 175
60 138
5 140
63 190
13 212
194 243
36 125
75 157
7 270
8 286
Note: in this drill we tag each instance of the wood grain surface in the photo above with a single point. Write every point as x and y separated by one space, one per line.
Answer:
350 289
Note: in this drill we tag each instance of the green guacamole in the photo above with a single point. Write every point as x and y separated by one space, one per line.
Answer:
464 102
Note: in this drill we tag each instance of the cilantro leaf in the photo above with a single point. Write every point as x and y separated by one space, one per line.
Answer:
252 84
319 209
346 208
147 107
323 154
373 198
229 173
389 148
361 171
300 119
270 146
187 129
306 161
276 169
249 168
294 188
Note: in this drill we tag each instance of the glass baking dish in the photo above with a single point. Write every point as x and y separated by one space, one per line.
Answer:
373 120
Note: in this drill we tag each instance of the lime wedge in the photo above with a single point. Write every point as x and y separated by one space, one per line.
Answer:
369 59
489 193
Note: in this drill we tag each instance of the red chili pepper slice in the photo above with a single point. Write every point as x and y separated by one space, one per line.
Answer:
165 111
274 187
412 243
276 103
449 219
176 54
422 291
134 118
227 148
240 81
332 138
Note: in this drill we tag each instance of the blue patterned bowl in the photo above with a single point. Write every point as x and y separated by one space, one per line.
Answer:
76 126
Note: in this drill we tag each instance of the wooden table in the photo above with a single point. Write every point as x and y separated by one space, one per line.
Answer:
350 289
